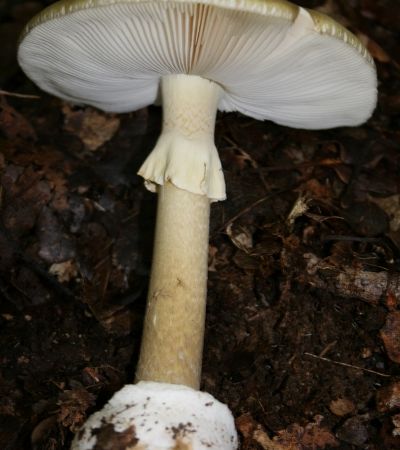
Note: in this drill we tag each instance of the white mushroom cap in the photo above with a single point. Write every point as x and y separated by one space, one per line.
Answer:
273 59
158 416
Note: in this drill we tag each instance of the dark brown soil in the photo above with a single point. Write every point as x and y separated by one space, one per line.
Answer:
303 325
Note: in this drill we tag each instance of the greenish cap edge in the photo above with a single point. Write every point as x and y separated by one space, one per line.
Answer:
273 8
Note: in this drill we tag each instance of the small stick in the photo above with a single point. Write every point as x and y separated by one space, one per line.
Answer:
15 94
347 365
252 206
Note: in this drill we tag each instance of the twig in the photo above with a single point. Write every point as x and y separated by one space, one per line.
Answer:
327 349
245 211
323 358
15 94
252 206
253 162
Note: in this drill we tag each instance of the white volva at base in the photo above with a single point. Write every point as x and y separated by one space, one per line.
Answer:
159 416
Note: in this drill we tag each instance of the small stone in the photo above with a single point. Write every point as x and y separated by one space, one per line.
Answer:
354 432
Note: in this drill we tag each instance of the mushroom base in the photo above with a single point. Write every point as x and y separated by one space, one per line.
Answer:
158 416
185 154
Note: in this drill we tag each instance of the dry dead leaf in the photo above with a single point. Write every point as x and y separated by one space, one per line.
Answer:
390 335
252 431
342 407
212 260
392 300
241 237
42 430
24 203
317 190
299 208
388 397
396 423
13 124
354 431
246 425
64 271
310 437
262 438
377 52
316 437
73 406
391 206
55 245
93 127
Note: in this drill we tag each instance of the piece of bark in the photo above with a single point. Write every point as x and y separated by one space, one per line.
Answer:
346 281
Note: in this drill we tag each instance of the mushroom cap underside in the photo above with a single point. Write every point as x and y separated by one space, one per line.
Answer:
274 60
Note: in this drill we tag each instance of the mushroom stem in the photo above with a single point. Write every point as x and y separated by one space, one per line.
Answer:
185 167
172 341
185 153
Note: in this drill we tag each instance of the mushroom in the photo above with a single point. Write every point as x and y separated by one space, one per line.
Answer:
268 59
